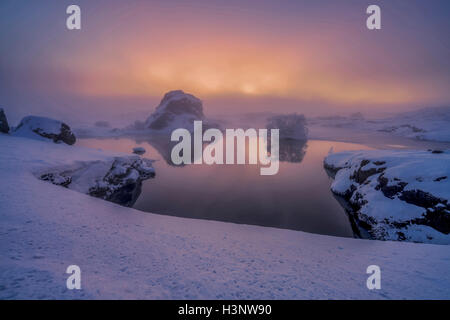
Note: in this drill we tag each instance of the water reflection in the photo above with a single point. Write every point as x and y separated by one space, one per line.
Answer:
291 150
298 197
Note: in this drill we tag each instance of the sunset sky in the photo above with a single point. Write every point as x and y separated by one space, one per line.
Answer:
255 55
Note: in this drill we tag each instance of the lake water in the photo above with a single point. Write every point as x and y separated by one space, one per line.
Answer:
297 198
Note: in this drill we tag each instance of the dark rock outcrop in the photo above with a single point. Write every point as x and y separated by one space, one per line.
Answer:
4 126
176 110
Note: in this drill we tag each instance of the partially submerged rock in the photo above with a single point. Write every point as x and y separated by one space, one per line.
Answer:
45 128
395 195
176 110
139 150
4 126
118 180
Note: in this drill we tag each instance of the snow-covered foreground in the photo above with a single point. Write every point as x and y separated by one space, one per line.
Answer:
124 253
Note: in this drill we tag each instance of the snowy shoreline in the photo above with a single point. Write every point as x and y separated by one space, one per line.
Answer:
124 253
395 194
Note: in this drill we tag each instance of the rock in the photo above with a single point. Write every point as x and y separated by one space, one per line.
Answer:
4 127
291 126
117 180
176 110
394 195
46 128
139 150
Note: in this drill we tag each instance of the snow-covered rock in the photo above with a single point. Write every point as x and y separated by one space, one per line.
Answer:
118 179
139 150
45 128
395 195
176 110
4 127
291 126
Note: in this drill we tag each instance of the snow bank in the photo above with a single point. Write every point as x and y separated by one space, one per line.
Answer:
45 128
396 195
124 253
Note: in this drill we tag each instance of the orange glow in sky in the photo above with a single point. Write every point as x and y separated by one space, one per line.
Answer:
289 50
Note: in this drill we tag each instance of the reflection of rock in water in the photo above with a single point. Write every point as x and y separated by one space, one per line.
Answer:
292 150
163 145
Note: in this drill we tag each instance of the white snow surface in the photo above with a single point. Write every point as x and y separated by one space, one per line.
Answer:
124 253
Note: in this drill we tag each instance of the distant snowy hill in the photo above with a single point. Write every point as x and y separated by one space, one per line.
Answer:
425 124
125 253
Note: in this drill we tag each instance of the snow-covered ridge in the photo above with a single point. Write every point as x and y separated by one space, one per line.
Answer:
396 195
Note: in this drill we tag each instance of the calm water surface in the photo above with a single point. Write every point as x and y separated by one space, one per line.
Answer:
297 198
